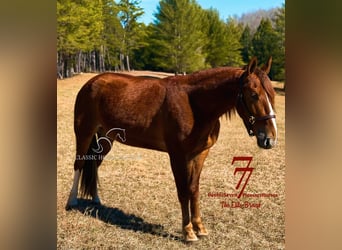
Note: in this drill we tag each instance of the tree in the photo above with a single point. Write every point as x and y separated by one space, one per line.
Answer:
217 45
143 56
234 31
246 43
265 44
178 36
79 29
113 34
280 33
129 13
96 35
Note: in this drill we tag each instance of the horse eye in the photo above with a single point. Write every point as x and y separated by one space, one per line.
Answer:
255 96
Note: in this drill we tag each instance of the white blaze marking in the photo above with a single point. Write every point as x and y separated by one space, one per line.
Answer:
272 119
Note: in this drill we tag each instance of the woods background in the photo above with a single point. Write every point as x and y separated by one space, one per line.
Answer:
106 35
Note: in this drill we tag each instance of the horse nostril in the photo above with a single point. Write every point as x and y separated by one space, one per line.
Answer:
269 143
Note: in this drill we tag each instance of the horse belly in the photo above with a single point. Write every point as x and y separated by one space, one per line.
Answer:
150 139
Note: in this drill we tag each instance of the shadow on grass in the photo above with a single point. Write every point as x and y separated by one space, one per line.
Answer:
117 217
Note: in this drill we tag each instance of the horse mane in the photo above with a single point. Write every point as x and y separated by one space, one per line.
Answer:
208 79
203 78
206 76
229 113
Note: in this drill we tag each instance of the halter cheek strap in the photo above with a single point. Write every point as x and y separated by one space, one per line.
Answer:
251 118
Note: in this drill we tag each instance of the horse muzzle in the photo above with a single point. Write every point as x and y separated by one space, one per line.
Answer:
265 142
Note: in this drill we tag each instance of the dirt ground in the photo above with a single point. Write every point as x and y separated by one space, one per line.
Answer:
140 209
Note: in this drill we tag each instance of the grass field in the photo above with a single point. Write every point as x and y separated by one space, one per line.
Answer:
140 209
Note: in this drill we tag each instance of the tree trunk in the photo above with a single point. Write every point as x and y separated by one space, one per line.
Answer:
79 58
89 66
59 65
93 61
65 66
102 56
122 65
127 61
84 62
107 60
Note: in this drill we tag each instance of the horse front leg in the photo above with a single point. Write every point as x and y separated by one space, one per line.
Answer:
196 166
179 169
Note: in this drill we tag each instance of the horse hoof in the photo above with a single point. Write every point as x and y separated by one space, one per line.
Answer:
189 234
200 229
202 233
191 238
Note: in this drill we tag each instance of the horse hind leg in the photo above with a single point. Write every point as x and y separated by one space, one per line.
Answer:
103 146
72 200
86 125
88 158
90 152
82 146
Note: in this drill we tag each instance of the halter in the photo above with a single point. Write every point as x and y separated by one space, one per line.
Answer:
251 118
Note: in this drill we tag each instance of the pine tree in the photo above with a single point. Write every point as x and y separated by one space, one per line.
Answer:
217 45
265 44
142 57
79 29
113 34
234 31
246 43
178 36
280 32
129 13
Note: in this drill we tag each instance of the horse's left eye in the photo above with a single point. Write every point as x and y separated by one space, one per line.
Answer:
255 96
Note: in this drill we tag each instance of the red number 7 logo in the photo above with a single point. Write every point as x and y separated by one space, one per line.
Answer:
244 170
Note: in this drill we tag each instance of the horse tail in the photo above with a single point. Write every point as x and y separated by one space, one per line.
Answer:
89 177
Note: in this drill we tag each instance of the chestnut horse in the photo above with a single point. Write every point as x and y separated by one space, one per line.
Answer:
178 115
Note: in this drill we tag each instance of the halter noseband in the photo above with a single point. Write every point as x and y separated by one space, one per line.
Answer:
251 118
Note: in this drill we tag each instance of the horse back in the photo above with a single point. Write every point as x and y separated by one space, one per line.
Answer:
124 100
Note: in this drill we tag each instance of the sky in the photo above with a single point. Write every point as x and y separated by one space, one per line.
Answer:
226 8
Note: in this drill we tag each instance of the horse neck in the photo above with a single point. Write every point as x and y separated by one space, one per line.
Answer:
213 93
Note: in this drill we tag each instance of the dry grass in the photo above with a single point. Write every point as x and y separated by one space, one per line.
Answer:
139 207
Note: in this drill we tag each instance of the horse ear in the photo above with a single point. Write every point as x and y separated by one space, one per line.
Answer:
252 65
267 66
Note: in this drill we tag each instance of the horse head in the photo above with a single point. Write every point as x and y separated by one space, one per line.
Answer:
255 103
